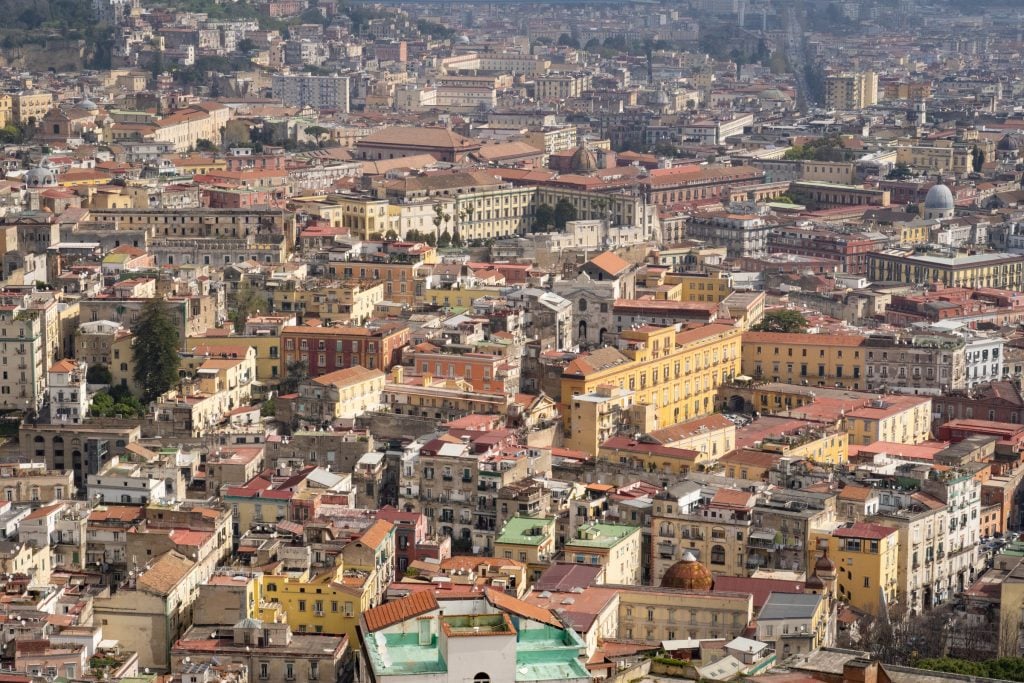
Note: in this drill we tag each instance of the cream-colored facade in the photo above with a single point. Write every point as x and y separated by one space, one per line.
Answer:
29 107
658 614
896 419
616 547
850 91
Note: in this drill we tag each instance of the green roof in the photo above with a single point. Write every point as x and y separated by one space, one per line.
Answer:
601 535
543 653
530 531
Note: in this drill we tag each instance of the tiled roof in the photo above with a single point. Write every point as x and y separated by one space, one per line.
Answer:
507 603
397 611
864 530
610 262
376 534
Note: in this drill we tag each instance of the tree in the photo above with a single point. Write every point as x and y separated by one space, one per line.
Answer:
543 217
295 373
204 145
246 302
98 374
593 44
444 241
568 41
391 235
245 45
782 321
901 171
563 213
156 350
977 159
316 132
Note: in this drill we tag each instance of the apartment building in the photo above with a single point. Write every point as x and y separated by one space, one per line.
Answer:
615 547
318 92
820 359
973 271
678 373
654 615
322 350
24 354
851 91
916 363
717 529
867 556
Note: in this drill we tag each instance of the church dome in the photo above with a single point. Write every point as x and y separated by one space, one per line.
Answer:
814 583
583 160
1007 144
43 175
939 198
824 564
688 574
88 105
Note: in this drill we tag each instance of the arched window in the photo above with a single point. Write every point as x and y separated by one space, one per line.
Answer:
481 678
582 304
717 554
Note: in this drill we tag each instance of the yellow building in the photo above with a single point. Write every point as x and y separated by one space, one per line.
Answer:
329 602
825 446
914 234
939 156
706 287
6 110
867 556
677 372
816 359
267 347
991 269
530 540
894 418
350 302
616 547
459 298
598 416
199 164
30 107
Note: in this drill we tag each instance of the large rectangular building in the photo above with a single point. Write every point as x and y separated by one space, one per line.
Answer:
319 92
991 270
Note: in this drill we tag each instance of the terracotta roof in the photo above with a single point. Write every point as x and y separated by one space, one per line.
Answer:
349 376
397 611
861 493
799 338
165 573
63 366
610 262
376 534
507 603
44 511
733 498
863 530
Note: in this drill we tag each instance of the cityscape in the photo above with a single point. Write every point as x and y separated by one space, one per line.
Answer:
423 341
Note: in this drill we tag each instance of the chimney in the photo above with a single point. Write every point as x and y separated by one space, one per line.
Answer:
860 671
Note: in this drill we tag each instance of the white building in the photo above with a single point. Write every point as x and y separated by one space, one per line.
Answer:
66 385
319 92
126 484
488 638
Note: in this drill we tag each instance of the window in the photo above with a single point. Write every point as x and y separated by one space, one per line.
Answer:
264 670
717 555
481 678
289 671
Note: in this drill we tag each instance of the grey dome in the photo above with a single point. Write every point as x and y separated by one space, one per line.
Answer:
43 175
1007 144
939 198
88 105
